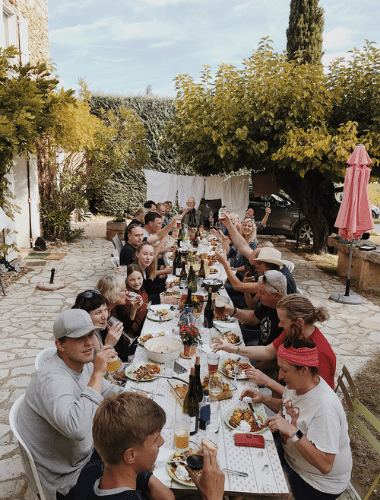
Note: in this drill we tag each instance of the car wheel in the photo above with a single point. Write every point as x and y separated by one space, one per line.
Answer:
374 215
305 233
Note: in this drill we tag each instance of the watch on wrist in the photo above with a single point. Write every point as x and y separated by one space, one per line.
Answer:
297 436
235 311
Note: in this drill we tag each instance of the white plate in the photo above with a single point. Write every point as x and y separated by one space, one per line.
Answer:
153 316
239 377
220 335
171 472
130 369
262 416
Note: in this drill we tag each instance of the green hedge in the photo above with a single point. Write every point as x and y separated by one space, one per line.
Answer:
126 190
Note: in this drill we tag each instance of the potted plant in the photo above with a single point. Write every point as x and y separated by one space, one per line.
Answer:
116 226
190 337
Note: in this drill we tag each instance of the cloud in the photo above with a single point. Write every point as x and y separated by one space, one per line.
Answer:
338 37
159 45
327 59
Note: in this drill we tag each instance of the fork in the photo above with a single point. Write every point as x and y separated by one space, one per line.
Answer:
236 370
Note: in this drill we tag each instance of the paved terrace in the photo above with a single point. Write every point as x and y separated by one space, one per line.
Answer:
27 317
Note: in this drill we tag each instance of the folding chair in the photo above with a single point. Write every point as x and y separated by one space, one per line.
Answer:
289 264
26 456
356 408
43 356
117 243
115 261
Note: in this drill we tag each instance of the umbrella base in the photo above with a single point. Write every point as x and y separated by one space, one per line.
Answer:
346 299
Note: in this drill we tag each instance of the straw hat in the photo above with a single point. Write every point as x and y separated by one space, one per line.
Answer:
270 255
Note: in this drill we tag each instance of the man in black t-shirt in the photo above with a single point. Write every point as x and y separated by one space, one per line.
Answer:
135 237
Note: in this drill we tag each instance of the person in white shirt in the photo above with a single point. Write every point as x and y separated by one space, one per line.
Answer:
312 424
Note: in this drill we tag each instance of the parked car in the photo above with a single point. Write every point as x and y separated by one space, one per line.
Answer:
285 217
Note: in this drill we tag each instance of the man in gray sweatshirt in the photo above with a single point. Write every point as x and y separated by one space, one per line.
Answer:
60 403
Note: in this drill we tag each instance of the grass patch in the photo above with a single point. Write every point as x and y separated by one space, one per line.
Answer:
325 261
366 460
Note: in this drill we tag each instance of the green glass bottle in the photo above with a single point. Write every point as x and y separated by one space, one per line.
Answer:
190 404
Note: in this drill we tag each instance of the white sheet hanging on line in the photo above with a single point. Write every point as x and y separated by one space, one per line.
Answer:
160 186
214 188
190 185
236 194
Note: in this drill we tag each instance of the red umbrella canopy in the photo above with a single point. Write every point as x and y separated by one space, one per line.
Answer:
355 215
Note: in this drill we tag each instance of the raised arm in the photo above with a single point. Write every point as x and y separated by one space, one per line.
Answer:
247 287
237 238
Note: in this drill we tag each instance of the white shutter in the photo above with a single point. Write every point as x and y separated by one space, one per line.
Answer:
24 45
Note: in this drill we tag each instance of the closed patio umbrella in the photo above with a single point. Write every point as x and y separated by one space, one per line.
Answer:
355 215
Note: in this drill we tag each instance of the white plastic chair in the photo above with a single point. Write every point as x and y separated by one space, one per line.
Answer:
298 290
43 356
289 264
115 261
26 456
117 243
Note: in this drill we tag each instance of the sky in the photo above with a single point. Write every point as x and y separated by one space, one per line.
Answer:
122 46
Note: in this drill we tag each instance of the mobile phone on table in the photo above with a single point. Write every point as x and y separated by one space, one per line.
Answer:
179 368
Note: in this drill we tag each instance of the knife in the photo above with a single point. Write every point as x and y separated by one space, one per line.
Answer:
257 420
147 392
170 376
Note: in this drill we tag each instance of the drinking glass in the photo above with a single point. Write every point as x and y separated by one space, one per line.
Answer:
218 225
215 386
181 431
212 430
213 362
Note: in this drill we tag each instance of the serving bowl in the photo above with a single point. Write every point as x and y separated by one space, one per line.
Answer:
213 283
155 346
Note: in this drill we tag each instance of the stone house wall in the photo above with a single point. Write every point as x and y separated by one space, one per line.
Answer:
35 12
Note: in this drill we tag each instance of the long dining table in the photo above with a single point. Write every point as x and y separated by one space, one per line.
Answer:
265 474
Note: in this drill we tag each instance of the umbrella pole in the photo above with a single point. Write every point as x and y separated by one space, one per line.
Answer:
347 293
346 298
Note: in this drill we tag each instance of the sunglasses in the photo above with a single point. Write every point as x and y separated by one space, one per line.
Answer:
89 294
265 280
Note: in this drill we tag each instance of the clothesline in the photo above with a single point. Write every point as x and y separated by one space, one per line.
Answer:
233 191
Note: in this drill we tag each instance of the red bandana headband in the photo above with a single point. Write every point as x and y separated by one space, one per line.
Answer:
300 357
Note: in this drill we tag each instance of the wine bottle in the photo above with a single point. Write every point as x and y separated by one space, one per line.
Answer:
178 265
183 276
198 382
175 262
209 311
192 280
205 410
188 301
201 273
190 403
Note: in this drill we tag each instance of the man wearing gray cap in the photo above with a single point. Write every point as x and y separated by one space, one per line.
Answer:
60 403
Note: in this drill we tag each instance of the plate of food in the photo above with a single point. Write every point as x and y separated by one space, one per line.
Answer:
144 372
178 472
231 338
142 339
159 312
179 390
170 292
234 416
227 368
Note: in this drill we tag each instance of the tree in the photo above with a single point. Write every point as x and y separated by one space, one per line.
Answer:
277 115
28 108
305 32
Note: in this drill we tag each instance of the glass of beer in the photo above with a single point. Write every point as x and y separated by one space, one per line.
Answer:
213 362
178 221
220 301
181 431
114 364
222 214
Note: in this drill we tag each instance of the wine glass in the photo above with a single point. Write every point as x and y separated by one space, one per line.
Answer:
215 387
218 225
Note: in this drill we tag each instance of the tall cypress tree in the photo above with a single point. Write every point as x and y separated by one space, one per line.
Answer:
305 30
